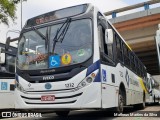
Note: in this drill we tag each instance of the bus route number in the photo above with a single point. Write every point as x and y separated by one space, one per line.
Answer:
69 85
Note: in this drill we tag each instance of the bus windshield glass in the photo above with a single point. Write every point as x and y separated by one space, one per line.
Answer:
34 52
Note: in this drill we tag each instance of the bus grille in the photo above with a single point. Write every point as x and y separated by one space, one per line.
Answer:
37 100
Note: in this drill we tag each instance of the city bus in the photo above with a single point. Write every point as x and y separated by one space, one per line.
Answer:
73 58
154 91
7 77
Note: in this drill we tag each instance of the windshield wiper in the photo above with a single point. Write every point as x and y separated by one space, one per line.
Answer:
61 32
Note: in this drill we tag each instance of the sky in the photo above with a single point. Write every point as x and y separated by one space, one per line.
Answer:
32 8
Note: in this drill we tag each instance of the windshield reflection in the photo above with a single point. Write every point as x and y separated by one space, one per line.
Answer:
75 48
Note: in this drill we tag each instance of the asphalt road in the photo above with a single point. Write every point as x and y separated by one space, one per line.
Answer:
149 113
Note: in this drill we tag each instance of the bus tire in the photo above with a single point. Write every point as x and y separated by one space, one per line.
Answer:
154 99
62 113
141 105
158 100
120 107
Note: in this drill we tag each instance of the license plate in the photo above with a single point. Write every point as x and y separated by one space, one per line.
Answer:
48 98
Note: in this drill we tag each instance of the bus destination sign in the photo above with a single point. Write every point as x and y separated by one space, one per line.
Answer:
59 14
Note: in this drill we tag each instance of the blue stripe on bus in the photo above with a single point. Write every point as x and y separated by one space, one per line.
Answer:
93 67
97 78
16 77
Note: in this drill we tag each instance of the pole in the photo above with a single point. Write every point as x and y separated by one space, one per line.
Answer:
21 14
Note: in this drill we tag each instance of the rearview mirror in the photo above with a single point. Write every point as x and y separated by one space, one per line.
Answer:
8 41
2 57
108 36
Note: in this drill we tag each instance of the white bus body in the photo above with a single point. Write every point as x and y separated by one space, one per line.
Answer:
153 90
7 93
100 83
7 77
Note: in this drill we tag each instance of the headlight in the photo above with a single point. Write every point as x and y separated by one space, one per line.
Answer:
19 87
88 80
83 84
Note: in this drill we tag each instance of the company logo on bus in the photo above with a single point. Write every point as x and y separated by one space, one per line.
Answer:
47 71
48 77
48 86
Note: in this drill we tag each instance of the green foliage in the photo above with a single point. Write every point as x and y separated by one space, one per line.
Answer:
8 10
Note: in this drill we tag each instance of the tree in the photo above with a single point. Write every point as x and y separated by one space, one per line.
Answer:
8 10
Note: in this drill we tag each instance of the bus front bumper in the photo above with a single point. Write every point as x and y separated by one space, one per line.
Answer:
86 97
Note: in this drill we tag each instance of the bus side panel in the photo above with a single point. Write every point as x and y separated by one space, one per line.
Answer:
109 86
91 96
112 77
7 93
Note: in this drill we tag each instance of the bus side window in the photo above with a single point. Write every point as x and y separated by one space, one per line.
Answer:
141 70
132 61
119 48
148 84
106 48
100 38
137 66
10 63
126 55
109 50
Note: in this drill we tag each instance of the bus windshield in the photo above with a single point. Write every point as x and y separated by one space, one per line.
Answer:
34 52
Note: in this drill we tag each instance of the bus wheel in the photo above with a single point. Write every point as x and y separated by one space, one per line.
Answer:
154 98
62 113
120 102
158 100
141 105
